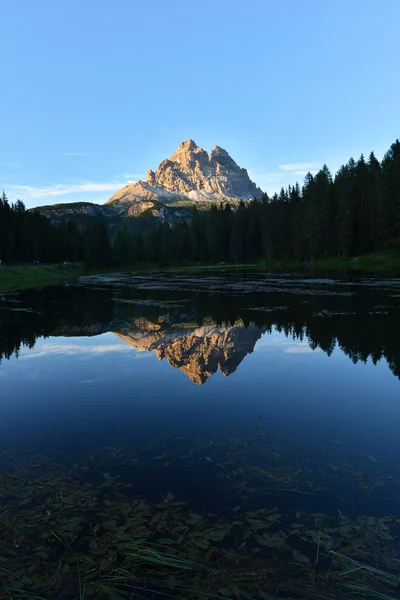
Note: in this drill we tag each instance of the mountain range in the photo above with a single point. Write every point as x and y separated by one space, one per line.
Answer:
190 176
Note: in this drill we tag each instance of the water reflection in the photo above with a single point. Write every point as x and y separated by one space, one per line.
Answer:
201 326
291 462
198 351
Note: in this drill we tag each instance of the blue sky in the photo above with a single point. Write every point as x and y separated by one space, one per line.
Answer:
94 93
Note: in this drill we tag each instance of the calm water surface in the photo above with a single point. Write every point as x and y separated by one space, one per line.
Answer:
193 366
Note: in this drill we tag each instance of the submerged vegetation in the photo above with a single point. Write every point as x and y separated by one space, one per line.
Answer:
246 514
107 526
26 277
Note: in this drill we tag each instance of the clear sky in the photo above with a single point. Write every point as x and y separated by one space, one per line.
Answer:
96 92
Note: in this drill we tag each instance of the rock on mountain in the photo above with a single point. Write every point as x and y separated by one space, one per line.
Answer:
191 174
81 211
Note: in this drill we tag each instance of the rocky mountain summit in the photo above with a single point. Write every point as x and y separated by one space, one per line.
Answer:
190 176
191 173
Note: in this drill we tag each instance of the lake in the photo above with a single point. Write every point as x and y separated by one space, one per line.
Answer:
201 435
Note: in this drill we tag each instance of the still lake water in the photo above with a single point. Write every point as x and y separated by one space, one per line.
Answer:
194 366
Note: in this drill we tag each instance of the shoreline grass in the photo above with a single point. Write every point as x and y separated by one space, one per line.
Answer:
26 277
19 277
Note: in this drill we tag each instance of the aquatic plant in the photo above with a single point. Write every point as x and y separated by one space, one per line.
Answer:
83 528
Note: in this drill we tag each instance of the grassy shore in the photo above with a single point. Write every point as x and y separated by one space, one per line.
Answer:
379 263
25 277
383 263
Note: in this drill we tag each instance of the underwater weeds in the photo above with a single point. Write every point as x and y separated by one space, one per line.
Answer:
83 529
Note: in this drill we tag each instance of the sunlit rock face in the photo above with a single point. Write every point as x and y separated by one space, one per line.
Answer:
192 173
190 176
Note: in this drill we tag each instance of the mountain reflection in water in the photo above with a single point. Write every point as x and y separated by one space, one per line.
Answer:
198 351
202 325
279 481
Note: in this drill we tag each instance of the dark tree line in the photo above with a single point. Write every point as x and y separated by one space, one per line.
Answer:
354 213
27 236
24 236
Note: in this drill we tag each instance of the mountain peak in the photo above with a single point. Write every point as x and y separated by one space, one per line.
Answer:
218 150
185 151
190 173
188 145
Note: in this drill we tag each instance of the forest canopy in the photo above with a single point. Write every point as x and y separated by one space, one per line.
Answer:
353 213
